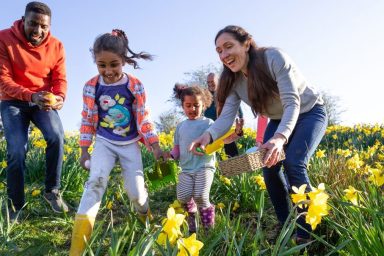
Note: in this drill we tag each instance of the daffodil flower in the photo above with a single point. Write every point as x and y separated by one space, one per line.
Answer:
177 206
318 206
109 205
220 205
351 194
3 164
225 180
40 144
36 192
171 227
377 177
260 181
354 163
320 153
300 195
236 206
189 246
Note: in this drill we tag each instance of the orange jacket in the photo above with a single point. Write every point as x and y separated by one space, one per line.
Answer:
26 69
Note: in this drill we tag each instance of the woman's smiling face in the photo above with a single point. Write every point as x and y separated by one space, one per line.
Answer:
232 53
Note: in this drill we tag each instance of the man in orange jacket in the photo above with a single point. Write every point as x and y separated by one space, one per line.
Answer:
32 89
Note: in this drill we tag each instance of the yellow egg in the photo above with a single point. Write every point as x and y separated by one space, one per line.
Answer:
52 98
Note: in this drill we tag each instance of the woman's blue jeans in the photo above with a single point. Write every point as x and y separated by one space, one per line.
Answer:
302 143
16 116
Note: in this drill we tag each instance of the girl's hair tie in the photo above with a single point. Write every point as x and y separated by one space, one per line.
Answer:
115 32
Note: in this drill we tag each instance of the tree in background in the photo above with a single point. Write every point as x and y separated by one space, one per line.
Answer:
168 121
199 76
333 108
196 77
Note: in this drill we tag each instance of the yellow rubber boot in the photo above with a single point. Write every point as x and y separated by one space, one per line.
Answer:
82 230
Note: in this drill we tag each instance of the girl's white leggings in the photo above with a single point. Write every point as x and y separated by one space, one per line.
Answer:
104 157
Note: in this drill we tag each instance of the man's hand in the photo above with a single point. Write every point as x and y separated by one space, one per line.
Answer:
59 103
47 101
40 100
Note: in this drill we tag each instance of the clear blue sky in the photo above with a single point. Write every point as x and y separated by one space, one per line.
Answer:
338 45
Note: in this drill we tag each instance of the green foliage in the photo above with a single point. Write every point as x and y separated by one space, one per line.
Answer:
245 219
363 224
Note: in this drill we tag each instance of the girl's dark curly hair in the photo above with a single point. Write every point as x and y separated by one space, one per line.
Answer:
182 90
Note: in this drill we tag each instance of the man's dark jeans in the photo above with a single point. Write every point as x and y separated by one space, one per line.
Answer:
16 117
305 138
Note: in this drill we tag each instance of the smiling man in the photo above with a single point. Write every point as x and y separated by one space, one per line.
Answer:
32 89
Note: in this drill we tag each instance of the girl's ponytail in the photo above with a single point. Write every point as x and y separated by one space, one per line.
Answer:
178 90
118 43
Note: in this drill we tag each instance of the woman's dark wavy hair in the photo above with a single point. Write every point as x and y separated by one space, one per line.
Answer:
182 90
117 42
261 87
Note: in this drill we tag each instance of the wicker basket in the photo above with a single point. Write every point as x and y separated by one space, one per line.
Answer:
244 163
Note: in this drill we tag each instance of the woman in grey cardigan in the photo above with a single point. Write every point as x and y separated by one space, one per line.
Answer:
271 84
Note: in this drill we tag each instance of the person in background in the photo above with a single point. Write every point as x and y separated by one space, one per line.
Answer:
116 114
270 82
231 148
33 87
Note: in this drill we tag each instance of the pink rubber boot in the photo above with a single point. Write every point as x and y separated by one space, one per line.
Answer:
191 209
207 216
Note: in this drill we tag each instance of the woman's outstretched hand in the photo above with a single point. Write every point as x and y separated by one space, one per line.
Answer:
200 142
274 147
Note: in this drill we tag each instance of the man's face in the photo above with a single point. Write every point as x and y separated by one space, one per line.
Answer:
212 85
36 27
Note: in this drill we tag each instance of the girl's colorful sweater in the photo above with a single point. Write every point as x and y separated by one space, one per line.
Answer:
90 117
